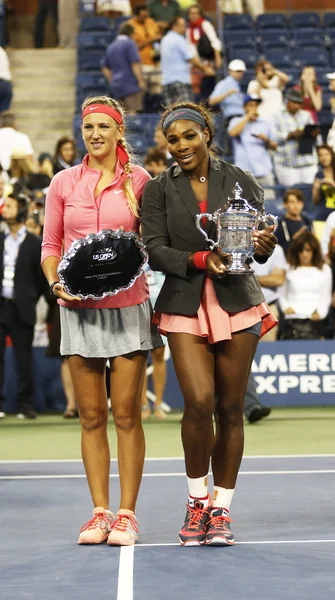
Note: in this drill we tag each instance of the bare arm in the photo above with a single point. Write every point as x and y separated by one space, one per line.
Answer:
218 99
107 73
275 279
316 192
283 78
196 62
50 266
238 128
316 98
136 68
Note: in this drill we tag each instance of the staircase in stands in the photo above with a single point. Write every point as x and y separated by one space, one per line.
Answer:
44 94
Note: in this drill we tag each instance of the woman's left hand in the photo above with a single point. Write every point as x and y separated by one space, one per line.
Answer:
265 241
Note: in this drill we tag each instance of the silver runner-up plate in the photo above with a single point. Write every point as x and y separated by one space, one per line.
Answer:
102 264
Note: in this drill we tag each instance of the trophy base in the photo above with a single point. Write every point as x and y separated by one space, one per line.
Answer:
240 269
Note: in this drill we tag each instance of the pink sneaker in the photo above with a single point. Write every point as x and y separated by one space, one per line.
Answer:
96 530
124 529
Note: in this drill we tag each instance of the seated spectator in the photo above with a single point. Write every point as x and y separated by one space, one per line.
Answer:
292 166
331 133
228 92
65 154
311 92
254 7
202 36
253 138
6 90
294 223
147 35
155 162
161 143
40 180
123 71
324 184
176 58
328 233
113 8
10 139
163 11
268 84
306 295
20 170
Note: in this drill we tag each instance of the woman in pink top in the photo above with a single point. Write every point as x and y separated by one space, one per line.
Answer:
104 192
213 320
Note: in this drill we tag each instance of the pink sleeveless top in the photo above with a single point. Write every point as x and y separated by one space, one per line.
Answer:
211 321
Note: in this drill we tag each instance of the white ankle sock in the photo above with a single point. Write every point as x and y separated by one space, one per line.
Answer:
198 489
222 497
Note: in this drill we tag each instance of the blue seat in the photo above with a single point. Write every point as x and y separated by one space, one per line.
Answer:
305 20
293 74
248 76
302 37
119 20
329 20
326 96
249 56
235 39
95 24
87 81
94 39
325 117
274 207
237 22
275 38
281 59
89 59
271 21
311 56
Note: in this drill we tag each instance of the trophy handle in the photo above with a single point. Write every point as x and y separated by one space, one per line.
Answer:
210 217
266 219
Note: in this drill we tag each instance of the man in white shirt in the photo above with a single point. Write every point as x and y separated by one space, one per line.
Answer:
10 138
6 90
270 275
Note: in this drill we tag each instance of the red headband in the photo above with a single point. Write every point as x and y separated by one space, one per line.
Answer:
121 152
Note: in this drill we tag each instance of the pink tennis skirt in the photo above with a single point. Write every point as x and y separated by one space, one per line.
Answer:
213 322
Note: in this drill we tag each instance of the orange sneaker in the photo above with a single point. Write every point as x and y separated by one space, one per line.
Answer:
124 529
96 531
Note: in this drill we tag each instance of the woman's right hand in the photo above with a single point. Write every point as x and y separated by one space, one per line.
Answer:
215 267
59 292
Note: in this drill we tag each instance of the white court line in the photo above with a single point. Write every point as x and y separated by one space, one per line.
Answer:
159 459
125 587
115 475
254 542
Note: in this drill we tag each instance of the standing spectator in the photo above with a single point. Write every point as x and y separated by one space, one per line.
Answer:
113 8
6 90
306 296
122 69
324 184
10 139
254 7
294 223
45 8
163 11
21 284
155 162
253 138
65 154
268 84
147 35
228 92
68 21
331 133
291 166
311 92
202 35
176 58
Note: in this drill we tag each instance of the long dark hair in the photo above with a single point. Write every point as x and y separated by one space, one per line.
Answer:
61 142
332 154
297 246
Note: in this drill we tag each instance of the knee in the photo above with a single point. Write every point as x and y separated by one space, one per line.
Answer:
91 419
231 416
200 408
126 421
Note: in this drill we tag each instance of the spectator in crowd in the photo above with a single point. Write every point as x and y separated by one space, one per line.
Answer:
228 93
324 183
176 58
147 35
291 166
33 224
162 144
253 139
65 154
294 223
328 233
20 170
163 11
46 8
306 295
10 139
268 84
6 90
113 8
155 161
331 133
202 36
2 191
21 284
270 276
330 258
254 7
123 71
311 92
68 21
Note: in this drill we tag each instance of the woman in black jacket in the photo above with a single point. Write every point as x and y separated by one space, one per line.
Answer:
213 320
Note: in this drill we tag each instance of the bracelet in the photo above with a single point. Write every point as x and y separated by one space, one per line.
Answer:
200 258
51 289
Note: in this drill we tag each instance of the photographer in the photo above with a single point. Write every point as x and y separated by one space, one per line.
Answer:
324 183
268 85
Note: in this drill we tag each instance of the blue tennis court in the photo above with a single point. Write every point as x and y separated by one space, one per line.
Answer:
283 520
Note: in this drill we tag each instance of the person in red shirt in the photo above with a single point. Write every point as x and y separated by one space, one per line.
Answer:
311 92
